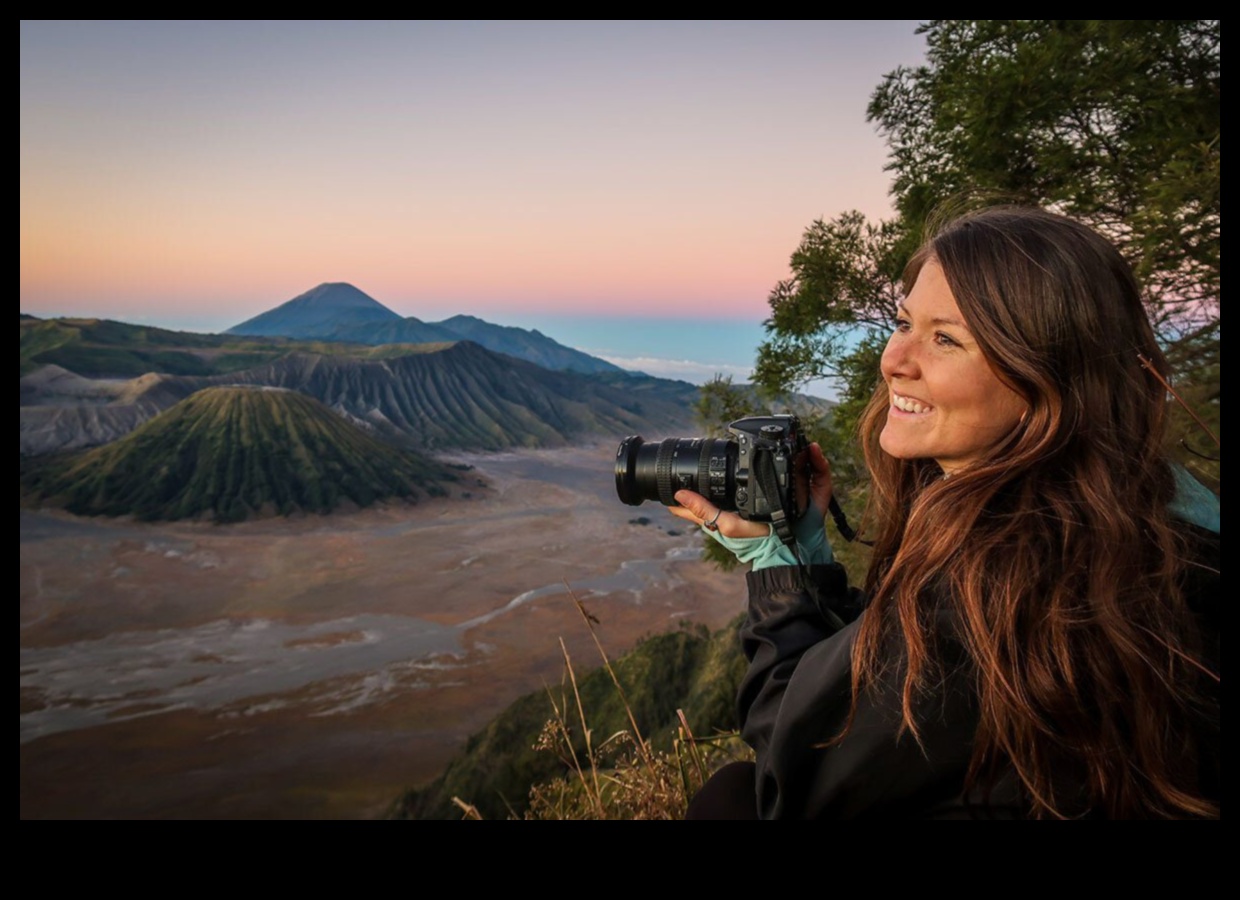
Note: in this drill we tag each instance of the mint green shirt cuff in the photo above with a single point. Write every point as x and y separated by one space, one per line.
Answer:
763 552
767 552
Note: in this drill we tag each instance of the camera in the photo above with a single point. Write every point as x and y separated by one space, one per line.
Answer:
752 472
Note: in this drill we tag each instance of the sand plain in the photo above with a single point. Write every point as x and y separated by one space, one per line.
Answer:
314 667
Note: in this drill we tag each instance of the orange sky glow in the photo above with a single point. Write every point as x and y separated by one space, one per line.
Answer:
204 172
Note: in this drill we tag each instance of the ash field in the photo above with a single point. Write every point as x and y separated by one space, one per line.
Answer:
316 666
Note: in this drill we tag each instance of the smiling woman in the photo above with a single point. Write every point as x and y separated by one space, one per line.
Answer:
947 403
1038 634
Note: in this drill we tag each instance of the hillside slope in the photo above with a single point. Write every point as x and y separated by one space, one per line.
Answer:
231 453
432 396
465 396
530 345
102 348
689 669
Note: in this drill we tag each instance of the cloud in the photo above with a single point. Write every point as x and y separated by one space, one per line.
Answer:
691 370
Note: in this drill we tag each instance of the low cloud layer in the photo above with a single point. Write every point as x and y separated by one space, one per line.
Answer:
690 370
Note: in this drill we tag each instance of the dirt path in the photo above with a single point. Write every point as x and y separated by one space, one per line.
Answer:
315 667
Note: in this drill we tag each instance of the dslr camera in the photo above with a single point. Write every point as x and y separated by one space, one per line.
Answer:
753 472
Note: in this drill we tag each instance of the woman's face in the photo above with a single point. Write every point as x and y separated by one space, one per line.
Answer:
946 403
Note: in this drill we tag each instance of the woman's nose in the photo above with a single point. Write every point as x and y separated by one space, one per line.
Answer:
899 358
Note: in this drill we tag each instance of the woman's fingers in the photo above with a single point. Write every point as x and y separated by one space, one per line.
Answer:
697 509
818 459
693 507
820 476
682 512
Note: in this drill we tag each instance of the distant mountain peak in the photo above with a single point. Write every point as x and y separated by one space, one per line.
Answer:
339 294
338 311
318 313
337 291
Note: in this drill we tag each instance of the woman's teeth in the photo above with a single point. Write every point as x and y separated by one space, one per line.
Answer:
908 404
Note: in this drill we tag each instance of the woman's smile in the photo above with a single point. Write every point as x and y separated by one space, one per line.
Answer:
909 405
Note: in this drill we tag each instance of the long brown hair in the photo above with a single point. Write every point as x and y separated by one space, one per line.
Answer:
1054 557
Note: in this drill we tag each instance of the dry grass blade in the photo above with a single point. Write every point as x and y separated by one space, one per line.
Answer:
590 619
692 742
629 778
560 735
468 809
591 790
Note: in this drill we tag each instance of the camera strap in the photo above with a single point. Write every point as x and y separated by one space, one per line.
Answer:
768 481
782 520
841 522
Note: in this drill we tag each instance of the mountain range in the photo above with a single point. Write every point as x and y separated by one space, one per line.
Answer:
337 311
428 397
388 386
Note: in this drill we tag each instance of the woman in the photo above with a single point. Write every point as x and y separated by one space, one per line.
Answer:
1038 630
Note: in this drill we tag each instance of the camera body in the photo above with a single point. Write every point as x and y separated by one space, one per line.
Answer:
781 439
752 472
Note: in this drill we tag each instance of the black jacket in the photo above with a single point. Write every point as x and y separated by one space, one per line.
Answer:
797 693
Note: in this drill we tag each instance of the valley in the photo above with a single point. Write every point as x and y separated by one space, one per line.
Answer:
313 667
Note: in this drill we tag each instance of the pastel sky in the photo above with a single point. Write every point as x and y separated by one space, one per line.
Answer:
193 175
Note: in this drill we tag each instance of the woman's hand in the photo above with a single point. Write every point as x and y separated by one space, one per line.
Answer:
816 482
697 509
819 474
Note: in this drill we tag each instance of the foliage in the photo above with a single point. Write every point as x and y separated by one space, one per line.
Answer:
624 777
845 281
1116 123
1193 424
720 403
613 721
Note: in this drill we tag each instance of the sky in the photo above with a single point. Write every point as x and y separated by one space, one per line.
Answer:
633 189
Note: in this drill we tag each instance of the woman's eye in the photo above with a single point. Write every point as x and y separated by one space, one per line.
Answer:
945 340
903 325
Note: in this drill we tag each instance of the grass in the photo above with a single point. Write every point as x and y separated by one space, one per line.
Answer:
618 776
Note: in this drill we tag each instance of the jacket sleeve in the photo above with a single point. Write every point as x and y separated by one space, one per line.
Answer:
796 696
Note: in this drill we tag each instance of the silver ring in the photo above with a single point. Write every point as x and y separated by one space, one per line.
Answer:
711 526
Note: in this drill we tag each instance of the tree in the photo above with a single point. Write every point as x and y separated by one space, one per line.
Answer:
1116 123
845 282
719 403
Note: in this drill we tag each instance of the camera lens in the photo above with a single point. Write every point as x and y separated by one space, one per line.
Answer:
657 471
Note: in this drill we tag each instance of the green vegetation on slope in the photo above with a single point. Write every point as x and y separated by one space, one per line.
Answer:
689 669
231 453
101 348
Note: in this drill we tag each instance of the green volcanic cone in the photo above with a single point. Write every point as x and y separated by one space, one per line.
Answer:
230 453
